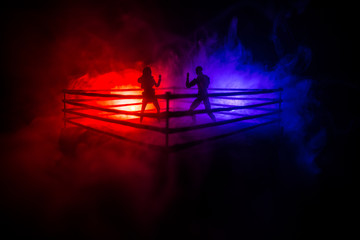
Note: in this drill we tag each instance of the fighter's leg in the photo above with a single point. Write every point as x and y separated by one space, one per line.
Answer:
156 104
144 103
194 105
208 109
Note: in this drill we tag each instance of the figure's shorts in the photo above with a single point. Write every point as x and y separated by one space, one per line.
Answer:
149 96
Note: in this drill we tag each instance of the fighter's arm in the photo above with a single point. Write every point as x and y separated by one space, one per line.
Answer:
158 84
190 84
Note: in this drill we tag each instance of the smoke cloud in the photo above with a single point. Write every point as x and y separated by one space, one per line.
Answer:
49 173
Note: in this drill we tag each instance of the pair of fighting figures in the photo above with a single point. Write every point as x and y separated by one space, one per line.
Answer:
202 81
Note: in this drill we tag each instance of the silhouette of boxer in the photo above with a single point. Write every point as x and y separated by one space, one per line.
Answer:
147 82
202 81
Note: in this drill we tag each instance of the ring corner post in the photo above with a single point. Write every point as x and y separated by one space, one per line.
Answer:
280 110
167 94
64 110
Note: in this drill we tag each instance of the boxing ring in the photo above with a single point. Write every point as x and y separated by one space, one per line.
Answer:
116 113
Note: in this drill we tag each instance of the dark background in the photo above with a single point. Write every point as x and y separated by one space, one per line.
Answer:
328 28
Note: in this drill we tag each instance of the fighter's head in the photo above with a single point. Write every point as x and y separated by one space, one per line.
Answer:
147 71
198 70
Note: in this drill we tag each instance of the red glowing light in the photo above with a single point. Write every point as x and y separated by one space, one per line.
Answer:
112 83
